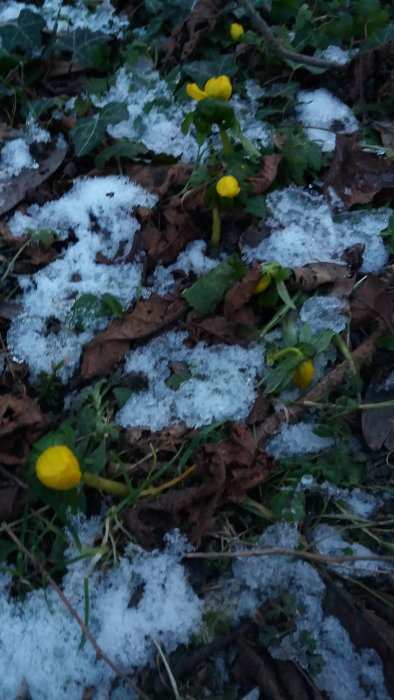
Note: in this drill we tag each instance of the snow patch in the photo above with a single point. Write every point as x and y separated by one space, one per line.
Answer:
304 230
297 439
221 387
324 312
323 116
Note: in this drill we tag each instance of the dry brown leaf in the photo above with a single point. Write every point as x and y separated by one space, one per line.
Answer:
315 275
266 176
15 190
378 423
187 35
225 471
372 301
140 323
158 178
18 414
12 502
357 176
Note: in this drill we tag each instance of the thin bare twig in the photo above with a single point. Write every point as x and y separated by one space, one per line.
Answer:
99 651
276 46
283 552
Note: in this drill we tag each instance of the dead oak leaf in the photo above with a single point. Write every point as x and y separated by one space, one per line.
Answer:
225 471
145 319
267 174
356 175
372 301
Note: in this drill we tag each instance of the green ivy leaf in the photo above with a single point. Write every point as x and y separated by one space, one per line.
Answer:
205 294
123 148
89 131
201 71
25 34
79 44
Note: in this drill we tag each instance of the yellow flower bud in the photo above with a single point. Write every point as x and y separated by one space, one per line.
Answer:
262 284
194 91
228 186
58 468
219 87
215 87
236 31
304 374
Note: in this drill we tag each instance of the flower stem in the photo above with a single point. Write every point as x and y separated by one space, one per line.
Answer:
227 147
107 485
216 226
286 351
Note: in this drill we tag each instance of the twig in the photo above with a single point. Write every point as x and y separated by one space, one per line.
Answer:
329 382
283 552
261 25
99 651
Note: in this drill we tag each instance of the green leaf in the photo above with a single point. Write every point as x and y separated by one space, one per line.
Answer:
205 294
122 395
108 301
213 111
123 148
89 131
257 206
79 43
289 506
25 34
97 460
379 38
177 379
322 340
201 71
187 122
284 294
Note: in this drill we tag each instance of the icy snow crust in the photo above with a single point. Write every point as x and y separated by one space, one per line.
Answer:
222 385
347 673
304 230
76 16
98 212
324 115
40 640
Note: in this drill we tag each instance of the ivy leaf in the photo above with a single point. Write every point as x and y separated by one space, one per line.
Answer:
123 148
201 71
205 294
79 44
25 34
89 131
378 38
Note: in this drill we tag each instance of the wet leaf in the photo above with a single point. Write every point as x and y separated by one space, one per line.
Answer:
205 294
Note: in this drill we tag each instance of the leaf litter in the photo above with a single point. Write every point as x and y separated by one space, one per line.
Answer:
182 325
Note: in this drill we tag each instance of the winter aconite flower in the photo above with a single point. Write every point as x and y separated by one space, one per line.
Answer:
263 283
228 186
304 374
58 468
215 87
236 31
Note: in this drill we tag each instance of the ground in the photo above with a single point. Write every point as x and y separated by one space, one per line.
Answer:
196 317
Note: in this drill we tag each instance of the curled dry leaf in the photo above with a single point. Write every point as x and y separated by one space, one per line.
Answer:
267 174
225 471
356 175
140 323
372 301
15 190
188 34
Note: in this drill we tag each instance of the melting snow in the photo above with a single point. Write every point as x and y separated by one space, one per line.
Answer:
304 230
63 16
98 212
331 542
222 385
258 579
324 115
324 312
297 439
335 53
40 640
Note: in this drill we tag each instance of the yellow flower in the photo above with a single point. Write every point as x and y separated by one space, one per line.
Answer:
215 87
228 186
262 284
236 31
304 374
58 468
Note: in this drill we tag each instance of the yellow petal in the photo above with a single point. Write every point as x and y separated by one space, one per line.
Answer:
262 284
236 31
58 468
194 91
219 87
304 374
228 186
